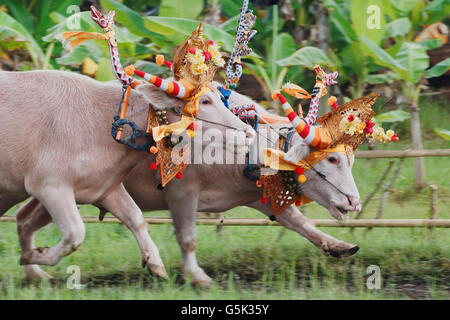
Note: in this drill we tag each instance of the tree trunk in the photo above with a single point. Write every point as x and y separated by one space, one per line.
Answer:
419 163
213 13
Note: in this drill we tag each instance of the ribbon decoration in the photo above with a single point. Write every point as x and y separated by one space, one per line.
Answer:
191 107
178 127
81 36
274 158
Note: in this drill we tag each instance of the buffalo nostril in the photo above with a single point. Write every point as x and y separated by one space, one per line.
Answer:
354 203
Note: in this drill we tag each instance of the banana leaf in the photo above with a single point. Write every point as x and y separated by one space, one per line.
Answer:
21 33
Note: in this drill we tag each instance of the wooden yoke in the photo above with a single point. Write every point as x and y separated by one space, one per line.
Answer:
123 111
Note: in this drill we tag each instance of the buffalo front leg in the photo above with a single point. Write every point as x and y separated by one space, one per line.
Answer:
30 218
60 204
123 207
184 214
292 219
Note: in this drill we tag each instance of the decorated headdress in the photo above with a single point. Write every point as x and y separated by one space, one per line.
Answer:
349 124
343 130
197 60
360 108
194 66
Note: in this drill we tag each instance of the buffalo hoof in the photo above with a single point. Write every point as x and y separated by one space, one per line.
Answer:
199 279
340 252
203 284
33 272
158 270
202 281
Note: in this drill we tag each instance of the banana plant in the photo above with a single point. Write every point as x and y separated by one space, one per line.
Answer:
409 65
278 59
139 37
28 21
12 30
277 45
395 21
445 134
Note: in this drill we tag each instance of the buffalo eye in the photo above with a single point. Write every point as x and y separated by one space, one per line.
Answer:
205 100
332 160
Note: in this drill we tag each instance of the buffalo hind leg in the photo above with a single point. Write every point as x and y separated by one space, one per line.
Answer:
184 214
293 219
30 218
123 207
60 204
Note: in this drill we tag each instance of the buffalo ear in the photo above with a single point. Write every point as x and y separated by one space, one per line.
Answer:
158 98
297 152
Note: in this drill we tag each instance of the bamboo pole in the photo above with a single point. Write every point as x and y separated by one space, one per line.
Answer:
402 153
388 223
123 111
433 205
219 228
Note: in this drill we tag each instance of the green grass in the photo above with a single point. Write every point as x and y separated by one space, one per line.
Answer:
246 262
252 262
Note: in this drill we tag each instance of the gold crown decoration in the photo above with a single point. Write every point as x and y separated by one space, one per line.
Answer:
348 126
195 63
197 60
360 108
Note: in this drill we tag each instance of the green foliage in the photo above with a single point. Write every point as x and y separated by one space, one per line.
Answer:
129 18
381 57
22 15
398 28
180 8
438 69
414 59
307 57
105 72
443 133
367 19
392 116
15 28
380 78
360 51
178 29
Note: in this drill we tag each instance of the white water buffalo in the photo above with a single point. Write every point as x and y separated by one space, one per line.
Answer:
56 146
216 188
